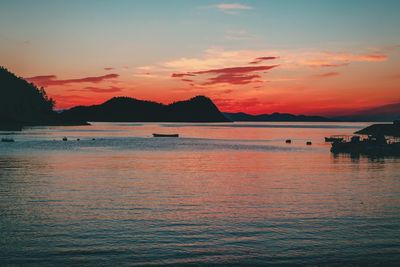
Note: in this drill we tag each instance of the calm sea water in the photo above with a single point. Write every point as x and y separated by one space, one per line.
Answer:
222 194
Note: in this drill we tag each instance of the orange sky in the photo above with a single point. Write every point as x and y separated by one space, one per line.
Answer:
253 56
309 82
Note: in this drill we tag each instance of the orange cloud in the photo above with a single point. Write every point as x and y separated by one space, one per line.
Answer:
179 75
327 74
261 59
50 80
232 75
333 59
236 70
111 89
232 79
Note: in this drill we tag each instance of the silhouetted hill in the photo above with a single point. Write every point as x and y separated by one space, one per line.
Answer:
22 102
389 112
240 116
125 109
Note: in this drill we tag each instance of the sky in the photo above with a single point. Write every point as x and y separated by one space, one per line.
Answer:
314 57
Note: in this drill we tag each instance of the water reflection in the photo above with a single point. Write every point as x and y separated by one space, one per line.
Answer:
248 198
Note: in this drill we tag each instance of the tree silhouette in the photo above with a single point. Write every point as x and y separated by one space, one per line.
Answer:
23 102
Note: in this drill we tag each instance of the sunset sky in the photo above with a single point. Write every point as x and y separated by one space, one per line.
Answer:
310 57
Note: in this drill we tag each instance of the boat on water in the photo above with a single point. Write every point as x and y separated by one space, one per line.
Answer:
165 135
375 140
7 140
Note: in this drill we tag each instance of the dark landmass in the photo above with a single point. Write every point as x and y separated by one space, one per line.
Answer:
384 113
125 109
24 104
391 129
240 116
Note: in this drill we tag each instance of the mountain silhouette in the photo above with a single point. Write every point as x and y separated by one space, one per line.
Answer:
22 103
389 112
125 109
240 116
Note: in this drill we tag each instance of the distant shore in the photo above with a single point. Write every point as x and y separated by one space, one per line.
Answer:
18 126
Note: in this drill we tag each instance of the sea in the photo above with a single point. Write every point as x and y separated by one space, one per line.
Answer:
222 194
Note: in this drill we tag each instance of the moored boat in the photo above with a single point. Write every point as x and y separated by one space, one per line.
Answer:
380 140
165 135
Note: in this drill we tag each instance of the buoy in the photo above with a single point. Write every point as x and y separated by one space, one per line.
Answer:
288 141
309 143
78 139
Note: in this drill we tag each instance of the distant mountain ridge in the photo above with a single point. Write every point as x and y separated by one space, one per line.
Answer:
126 109
240 116
388 112
24 104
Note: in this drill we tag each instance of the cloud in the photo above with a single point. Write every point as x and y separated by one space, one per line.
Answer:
236 70
331 65
50 80
334 59
187 80
214 58
231 8
261 59
38 79
111 89
288 59
327 74
232 75
238 67
179 75
232 79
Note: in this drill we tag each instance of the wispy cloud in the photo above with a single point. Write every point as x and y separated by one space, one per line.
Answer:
50 80
326 74
236 70
261 59
111 89
231 8
220 67
233 75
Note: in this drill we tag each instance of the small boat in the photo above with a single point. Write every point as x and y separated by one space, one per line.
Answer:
165 135
288 141
309 143
65 139
7 140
